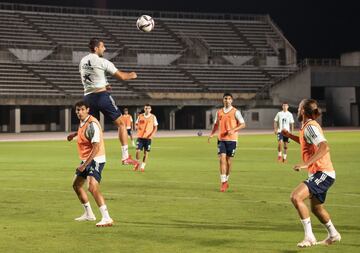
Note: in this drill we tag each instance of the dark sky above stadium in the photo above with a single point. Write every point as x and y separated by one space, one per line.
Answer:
316 28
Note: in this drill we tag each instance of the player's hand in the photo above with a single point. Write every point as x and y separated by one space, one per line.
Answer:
300 166
70 137
81 168
275 132
230 132
108 87
209 138
132 75
285 133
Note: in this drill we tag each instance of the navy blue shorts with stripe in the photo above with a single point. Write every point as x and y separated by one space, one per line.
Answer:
227 147
318 184
102 102
94 169
143 144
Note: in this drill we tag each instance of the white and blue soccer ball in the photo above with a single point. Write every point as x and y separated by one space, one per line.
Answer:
145 23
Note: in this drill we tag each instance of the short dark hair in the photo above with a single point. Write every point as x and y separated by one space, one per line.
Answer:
126 109
227 95
311 109
94 42
147 105
285 103
82 103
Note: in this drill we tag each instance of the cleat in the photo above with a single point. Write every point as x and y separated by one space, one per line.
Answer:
224 186
331 239
128 161
307 242
279 158
136 167
105 223
142 169
284 160
86 217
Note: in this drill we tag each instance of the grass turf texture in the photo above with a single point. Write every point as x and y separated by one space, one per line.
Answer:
175 206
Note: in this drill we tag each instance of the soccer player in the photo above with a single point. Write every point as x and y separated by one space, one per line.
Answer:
146 125
93 68
228 121
91 151
316 159
128 121
283 120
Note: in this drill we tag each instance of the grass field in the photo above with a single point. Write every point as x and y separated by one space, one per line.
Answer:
175 206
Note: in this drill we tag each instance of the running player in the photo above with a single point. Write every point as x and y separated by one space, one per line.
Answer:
128 121
93 68
146 125
229 121
316 159
92 154
283 120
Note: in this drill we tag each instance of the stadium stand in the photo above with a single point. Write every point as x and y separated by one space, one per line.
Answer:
188 57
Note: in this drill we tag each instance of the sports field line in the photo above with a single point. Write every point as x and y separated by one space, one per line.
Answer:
173 197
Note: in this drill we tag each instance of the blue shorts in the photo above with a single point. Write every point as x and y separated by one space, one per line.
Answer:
94 169
281 137
128 131
143 144
102 102
227 147
319 184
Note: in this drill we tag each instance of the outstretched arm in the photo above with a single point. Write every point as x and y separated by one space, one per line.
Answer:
71 136
286 133
123 76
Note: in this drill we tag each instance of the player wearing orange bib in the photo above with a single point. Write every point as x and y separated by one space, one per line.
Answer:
228 121
129 124
146 125
91 151
316 159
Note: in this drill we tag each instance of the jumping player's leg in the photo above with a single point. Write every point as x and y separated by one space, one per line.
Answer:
320 212
300 193
78 184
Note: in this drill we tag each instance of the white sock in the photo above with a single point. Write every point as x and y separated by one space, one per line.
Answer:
227 178
87 208
223 178
279 154
104 212
307 228
285 156
331 228
125 152
143 166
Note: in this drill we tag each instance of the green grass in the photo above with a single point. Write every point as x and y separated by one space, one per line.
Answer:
175 206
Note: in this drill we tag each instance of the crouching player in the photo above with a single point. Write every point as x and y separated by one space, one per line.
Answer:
92 154
316 159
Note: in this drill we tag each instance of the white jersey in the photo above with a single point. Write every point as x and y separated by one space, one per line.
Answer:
284 119
93 71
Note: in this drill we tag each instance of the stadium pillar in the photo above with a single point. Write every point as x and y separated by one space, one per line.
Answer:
15 118
65 119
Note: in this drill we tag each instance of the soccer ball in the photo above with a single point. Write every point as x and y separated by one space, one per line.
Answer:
145 23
